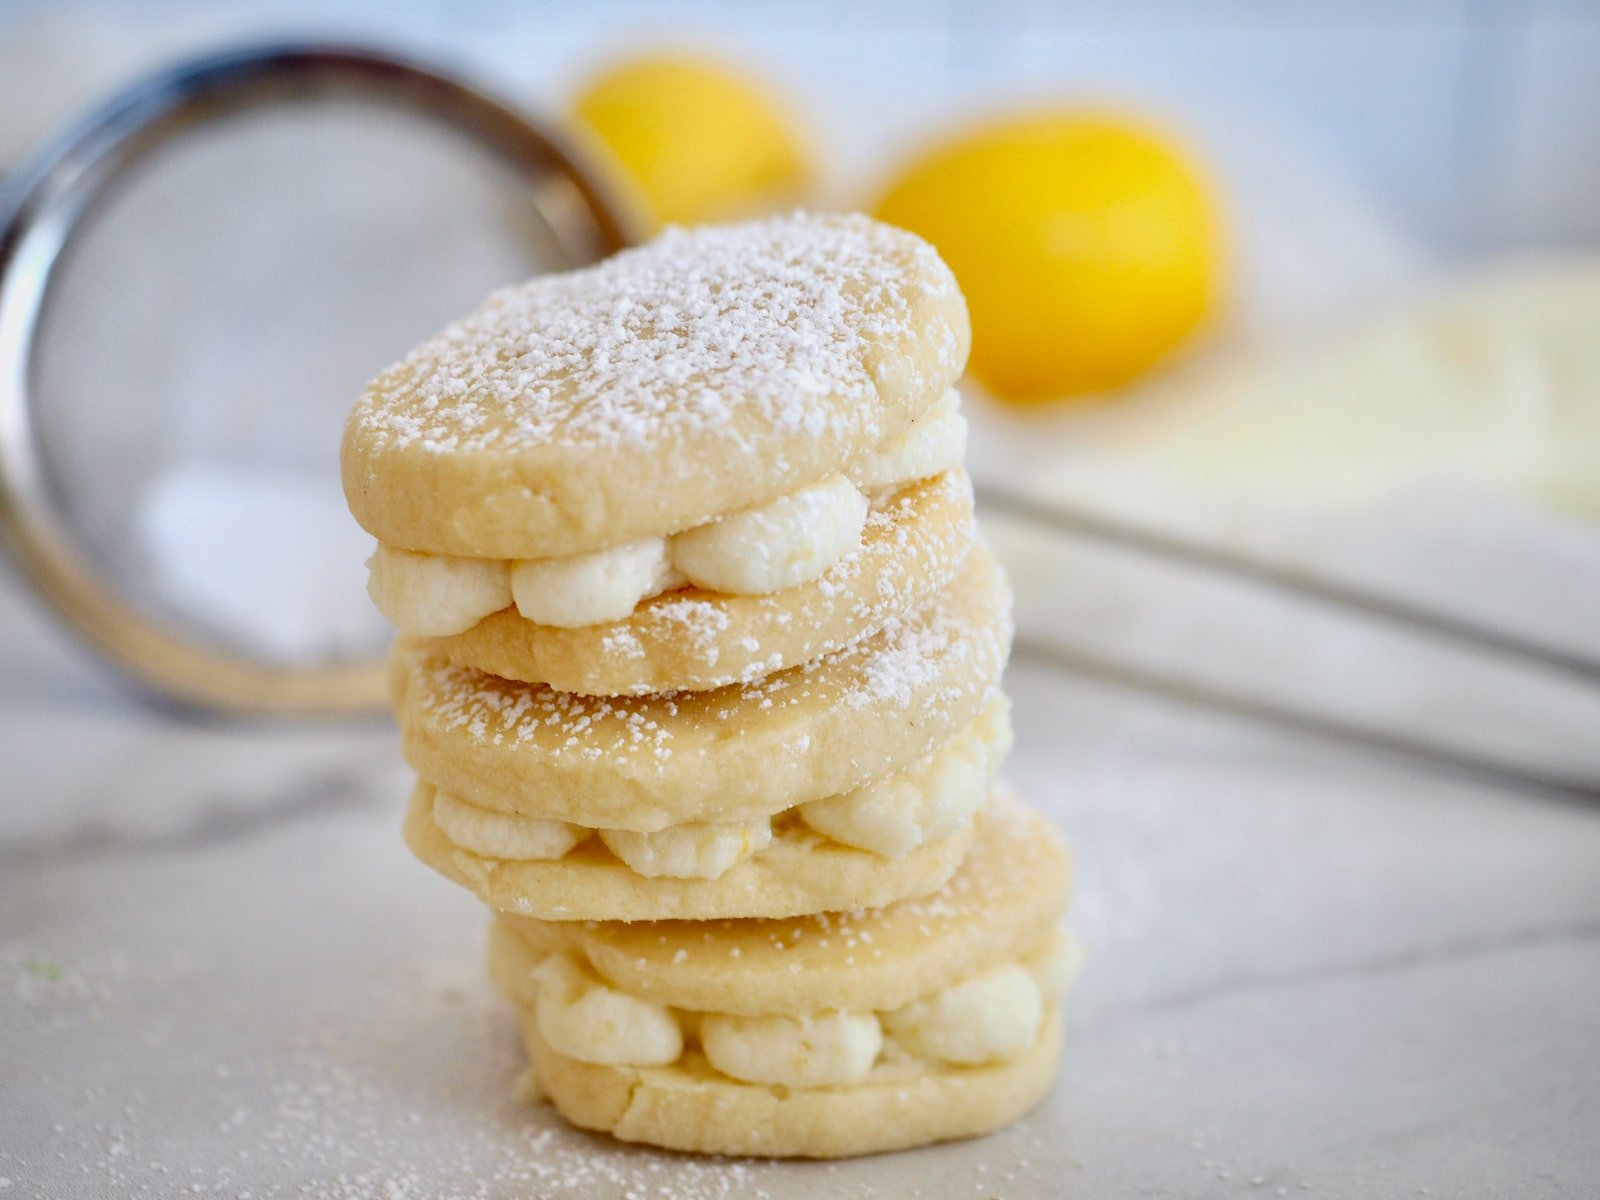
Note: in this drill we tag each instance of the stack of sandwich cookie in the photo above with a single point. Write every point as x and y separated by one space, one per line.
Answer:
699 673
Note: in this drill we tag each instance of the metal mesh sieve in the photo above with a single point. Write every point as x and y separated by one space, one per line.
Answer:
194 285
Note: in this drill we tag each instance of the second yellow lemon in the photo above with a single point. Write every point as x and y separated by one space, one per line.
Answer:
1087 245
701 141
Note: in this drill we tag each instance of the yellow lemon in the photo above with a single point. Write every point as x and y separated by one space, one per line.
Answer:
1087 245
701 141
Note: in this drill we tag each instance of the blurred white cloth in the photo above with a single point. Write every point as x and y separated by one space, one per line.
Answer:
1445 454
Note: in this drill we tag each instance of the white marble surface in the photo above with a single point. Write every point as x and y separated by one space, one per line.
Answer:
1311 974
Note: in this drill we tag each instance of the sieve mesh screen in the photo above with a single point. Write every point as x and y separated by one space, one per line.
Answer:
209 323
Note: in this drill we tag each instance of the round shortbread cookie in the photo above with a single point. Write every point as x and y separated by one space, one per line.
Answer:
1007 895
708 371
694 640
799 872
689 1106
750 750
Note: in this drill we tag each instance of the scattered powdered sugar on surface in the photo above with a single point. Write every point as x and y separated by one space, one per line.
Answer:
756 320
401 1089
328 1116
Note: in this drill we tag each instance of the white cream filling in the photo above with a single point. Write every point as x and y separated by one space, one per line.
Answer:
588 589
695 850
431 595
811 1051
503 835
892 817
582 1018
934 799
936 441
992 1017
789 541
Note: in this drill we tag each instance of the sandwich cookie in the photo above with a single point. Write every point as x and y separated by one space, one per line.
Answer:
821 1036
898 837
745 752
717 408
785 870
912 544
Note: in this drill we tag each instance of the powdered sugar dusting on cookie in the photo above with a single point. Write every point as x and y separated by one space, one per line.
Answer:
1013 852
465 702
700 328
900 557
695 622
940 657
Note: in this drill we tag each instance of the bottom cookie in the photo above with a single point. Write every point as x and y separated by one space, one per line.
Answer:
687 1105
821 1036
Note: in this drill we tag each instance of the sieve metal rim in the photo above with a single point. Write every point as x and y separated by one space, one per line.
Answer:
42 204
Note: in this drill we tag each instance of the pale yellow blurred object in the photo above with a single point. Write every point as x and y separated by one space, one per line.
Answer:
1493 385
702 141
1089 247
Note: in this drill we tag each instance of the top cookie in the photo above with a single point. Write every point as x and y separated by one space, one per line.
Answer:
709 371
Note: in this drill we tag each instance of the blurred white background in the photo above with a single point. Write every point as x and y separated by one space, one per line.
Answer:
1473 124
1366 151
